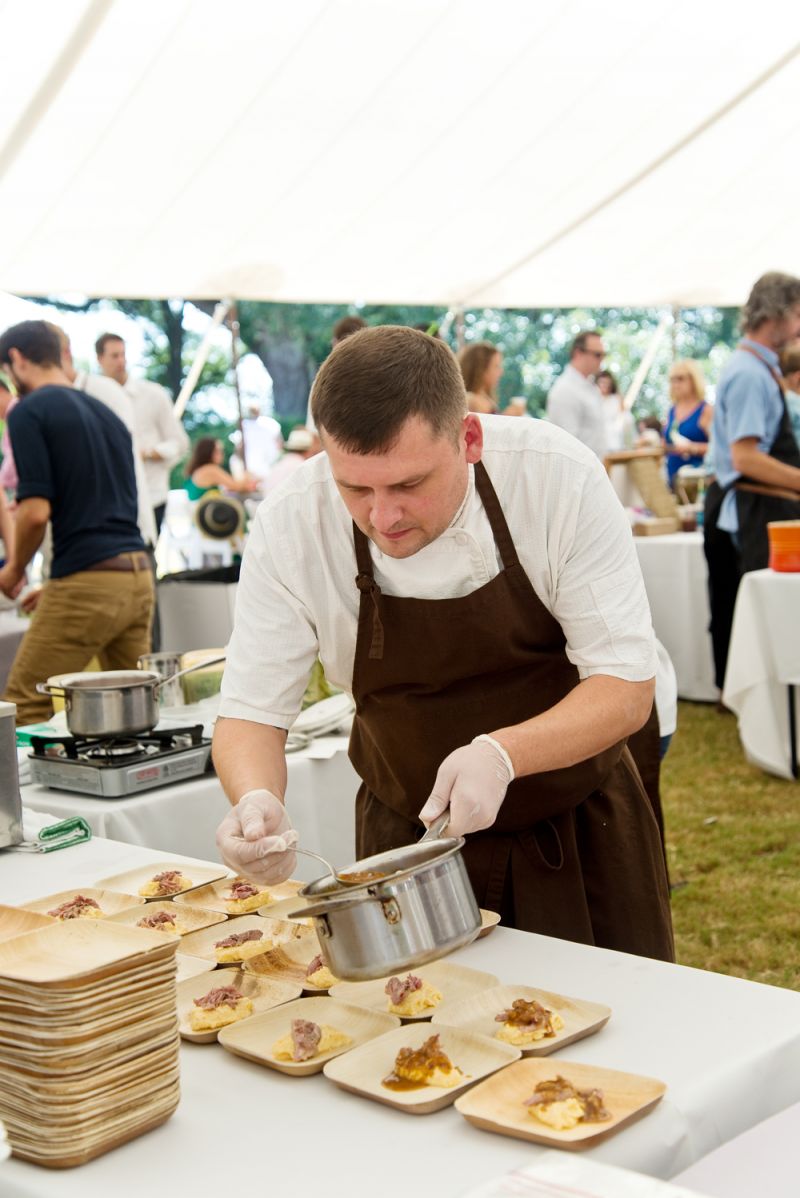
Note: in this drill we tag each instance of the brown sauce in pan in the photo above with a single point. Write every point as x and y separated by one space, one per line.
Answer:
364 875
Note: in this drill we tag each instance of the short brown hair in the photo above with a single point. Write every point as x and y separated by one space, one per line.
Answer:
581 342
346 327
374 381
771 298
474 361
103 340
34 340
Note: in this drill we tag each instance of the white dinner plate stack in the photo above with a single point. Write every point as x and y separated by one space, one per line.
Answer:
320 719
88 1038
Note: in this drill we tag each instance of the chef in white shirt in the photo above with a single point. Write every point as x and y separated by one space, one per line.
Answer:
161 437
575 402
473 582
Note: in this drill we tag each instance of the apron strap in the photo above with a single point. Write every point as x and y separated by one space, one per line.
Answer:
497 520
365 581
777 376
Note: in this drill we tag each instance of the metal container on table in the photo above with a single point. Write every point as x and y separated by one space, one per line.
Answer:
10 802
166 665
415 905
111 702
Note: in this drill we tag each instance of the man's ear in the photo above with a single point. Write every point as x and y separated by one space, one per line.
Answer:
472 431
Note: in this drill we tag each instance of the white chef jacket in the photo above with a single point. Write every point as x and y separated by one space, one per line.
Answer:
297 595
157 428
575 404
112 395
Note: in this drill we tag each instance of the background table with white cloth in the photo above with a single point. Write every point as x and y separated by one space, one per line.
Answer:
762 1160
183 816
763 663
12 629
676 581
687 1027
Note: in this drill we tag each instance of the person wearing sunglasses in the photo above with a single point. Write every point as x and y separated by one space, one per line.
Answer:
575 402
690 418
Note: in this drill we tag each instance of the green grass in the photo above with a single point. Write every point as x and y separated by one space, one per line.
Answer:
733 844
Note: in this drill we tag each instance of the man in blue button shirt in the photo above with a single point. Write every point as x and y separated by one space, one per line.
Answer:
74 458
755 456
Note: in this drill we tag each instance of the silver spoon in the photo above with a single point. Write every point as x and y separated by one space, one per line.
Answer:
359 876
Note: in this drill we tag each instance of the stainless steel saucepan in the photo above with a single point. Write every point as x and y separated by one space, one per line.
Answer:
415 904
113 702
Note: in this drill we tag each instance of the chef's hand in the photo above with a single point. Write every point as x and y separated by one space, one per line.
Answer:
472 782
256 837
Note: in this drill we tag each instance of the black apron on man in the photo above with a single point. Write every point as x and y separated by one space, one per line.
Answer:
574 852
727 559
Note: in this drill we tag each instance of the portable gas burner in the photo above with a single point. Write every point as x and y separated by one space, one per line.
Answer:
114 767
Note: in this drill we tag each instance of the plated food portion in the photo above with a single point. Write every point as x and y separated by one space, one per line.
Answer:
238 896
241 938
86 902
301 1036
568 1106
169 918
165 879
419 1069
297 960
212 1001
419 994
536 1021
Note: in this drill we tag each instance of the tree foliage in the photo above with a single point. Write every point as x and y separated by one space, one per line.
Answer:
292 340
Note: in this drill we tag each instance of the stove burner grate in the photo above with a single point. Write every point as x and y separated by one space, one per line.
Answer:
112 750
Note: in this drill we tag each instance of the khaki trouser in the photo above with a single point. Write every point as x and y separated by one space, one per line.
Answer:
107 614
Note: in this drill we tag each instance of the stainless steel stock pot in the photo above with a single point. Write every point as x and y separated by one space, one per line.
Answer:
112 702
416 904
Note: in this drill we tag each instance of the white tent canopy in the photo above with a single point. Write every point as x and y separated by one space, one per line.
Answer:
524 153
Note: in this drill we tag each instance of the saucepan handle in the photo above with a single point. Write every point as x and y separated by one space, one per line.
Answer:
201 665
45 688
437 828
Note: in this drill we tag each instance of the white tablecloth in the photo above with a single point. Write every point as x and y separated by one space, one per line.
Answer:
183 817
762 1161
764 658
729 1051
675 578
12 630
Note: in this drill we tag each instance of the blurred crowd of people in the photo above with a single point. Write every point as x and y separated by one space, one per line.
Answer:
87 457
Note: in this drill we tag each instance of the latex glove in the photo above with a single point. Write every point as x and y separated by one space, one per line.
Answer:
472 782
256 838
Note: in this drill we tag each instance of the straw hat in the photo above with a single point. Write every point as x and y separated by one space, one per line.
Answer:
219 516
299 440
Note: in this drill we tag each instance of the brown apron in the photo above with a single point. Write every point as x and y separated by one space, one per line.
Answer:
575 852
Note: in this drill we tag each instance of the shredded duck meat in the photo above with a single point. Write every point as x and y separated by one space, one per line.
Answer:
220 997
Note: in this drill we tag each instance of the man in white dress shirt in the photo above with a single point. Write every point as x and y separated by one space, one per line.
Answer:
472 581
575 402
161 437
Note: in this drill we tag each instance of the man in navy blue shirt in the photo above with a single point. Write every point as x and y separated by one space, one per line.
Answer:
74 459
754 453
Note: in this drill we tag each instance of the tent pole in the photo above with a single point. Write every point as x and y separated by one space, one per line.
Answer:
459 323
220 312
673 333
632 393
233 321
